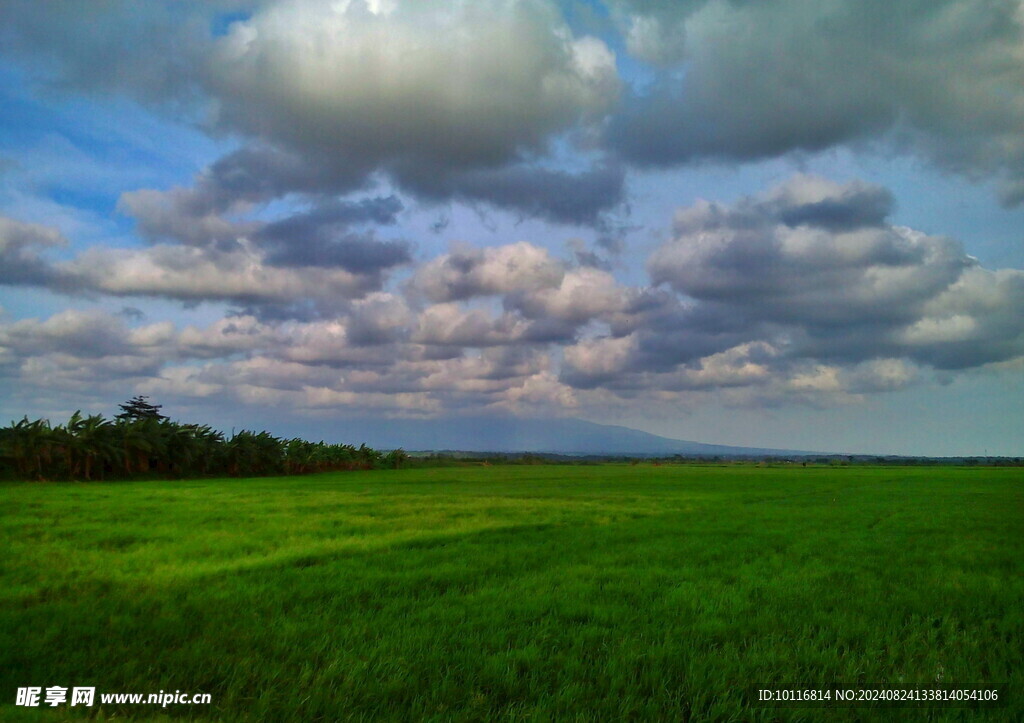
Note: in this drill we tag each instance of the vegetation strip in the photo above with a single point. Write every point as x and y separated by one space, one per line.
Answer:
142 442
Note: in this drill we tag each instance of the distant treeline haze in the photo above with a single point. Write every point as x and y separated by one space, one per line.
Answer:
142 442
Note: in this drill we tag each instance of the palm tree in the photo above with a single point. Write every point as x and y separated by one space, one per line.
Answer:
150 446
395 458
208 448
136 446
89 445
181 446
298 456
30 445
367 457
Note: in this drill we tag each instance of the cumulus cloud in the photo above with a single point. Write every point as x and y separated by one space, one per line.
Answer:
976 320
298 265
265 266
465 101
744 81
379 318
458 101
820 203
321 237
237 183
463 86
21 244
581 295
534 192
469 272
804 293
185 215
543 300
596 361
204 247
447 100
83 333
259 172
451 325
195 275
849 292
806 275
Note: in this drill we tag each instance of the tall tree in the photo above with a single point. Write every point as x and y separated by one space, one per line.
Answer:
138 408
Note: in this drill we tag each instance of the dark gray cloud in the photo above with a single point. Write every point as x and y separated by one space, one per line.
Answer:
744 81
734 81
808 274
183 215
683 334
586 256
857 206
378 319
206 213
356 253
260 172
208 223
298 266
559 196
802 293
132 313
843 294
21 244
320 237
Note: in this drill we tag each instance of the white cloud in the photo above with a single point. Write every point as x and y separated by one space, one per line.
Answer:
470 272
197 274
454 85
583 294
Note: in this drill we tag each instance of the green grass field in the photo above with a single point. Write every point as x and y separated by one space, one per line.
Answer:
517 593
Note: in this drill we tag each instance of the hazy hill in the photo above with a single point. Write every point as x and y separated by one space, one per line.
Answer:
562 436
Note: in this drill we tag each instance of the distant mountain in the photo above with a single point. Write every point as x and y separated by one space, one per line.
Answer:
558 436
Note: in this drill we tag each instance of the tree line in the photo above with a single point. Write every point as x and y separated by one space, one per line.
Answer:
141 442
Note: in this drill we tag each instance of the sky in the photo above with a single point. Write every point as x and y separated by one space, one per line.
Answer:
785 224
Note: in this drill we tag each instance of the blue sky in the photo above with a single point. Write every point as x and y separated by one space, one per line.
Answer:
773 225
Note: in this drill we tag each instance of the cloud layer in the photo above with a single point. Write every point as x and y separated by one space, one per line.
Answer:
804 292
